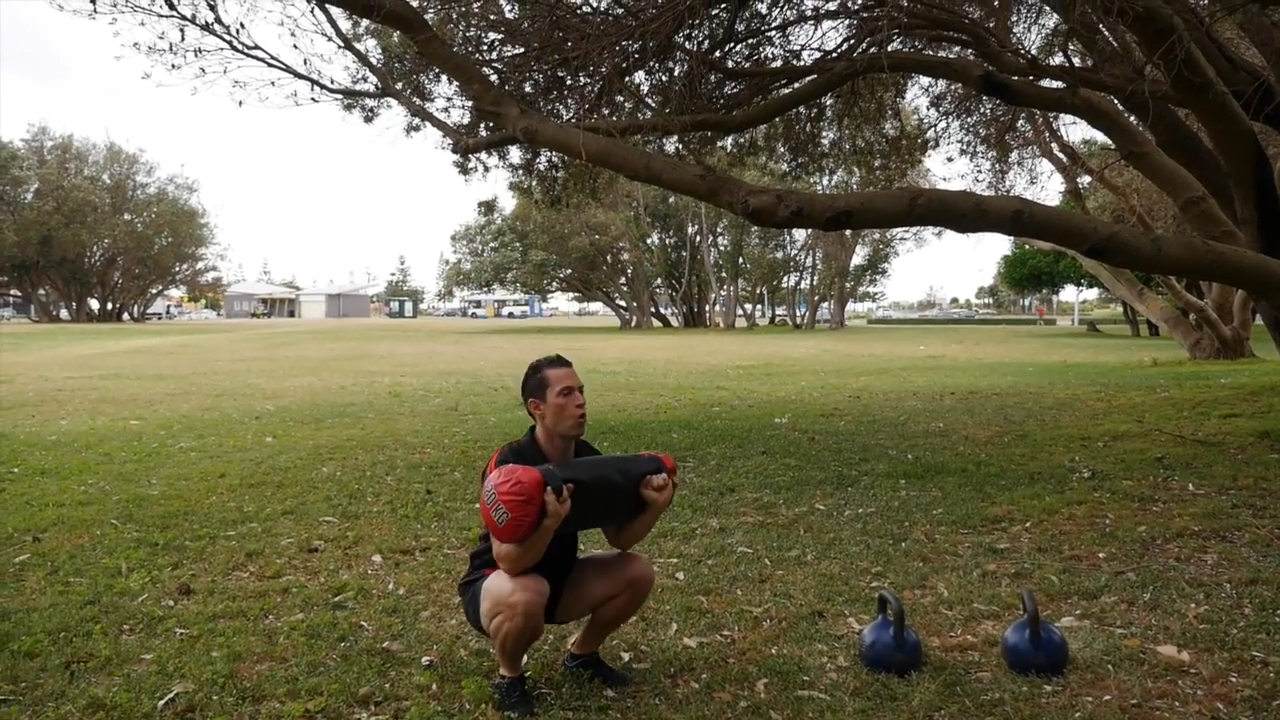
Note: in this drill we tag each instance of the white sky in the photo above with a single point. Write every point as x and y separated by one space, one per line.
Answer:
312 190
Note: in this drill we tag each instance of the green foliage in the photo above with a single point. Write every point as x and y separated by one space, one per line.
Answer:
82 221
402 284
634 247
1028 270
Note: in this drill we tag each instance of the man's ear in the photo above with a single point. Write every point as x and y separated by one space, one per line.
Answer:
534 406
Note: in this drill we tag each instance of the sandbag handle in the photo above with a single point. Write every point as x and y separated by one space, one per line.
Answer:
552 479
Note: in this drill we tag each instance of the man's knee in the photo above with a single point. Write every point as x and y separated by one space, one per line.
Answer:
518 601
637 573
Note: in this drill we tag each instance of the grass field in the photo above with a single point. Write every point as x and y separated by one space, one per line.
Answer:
269 519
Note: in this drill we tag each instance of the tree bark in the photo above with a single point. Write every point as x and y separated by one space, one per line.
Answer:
1131 319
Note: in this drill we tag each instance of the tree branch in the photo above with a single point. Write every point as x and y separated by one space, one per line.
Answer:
1167 40
1171 134
1264 33
1242 313
960 211
227 37
1136 148
1202 311
1118 191
1068 163
731 123
385 82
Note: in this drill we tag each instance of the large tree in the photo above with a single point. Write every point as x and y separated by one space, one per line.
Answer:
94 228
1028 270
402 284
1183 89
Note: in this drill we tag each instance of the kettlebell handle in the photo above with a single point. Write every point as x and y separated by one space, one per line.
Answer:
1032 611
885 600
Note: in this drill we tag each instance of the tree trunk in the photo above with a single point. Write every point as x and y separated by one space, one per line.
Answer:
1207 347
1131 318
1232 339
639 310
660 316
752 309
729 312
619 310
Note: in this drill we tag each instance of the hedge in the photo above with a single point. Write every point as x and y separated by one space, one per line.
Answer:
962 321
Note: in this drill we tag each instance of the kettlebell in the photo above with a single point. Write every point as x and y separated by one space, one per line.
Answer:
889 645
1032 646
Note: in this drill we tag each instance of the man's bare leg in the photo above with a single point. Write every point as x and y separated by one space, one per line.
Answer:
511 612
610 588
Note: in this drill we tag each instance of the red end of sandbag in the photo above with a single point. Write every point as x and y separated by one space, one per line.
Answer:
511 503
668 462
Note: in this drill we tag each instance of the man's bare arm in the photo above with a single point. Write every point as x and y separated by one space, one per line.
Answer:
515 558
625 537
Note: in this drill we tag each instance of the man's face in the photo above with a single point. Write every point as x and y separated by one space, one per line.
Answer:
564 412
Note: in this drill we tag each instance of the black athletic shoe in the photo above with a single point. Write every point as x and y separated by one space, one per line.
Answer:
511 696
599 670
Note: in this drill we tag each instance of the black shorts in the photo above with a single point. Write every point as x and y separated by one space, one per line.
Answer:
556 580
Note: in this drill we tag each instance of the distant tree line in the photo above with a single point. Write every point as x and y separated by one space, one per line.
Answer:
95 230
655 257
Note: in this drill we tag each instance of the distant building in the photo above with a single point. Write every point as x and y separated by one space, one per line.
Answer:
240 300
335 301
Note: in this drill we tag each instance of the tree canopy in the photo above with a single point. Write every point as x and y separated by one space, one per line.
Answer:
1186 92
1029 270
650 255
95 228
402 284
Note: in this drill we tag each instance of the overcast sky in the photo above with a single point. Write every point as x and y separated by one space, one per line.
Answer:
313 191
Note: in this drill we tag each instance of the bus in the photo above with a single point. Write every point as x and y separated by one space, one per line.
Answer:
497 305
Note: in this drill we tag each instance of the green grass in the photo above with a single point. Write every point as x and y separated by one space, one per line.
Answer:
253 509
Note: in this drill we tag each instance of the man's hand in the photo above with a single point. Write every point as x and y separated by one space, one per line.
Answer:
557 507
658 491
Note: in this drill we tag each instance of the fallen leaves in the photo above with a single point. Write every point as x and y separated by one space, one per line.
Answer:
179 688
1174 653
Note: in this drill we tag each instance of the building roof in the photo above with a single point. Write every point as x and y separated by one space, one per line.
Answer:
259 288
347 289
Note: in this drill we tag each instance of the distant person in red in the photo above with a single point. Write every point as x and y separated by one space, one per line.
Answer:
1040 315
509 592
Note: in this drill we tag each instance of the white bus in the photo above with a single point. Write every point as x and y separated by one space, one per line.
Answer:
507 306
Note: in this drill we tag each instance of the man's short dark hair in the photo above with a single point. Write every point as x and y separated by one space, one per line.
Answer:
534 384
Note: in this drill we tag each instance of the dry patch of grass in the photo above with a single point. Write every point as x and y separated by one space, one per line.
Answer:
269 518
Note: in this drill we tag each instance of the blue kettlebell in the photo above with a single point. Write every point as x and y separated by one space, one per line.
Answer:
1032 646
890 645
